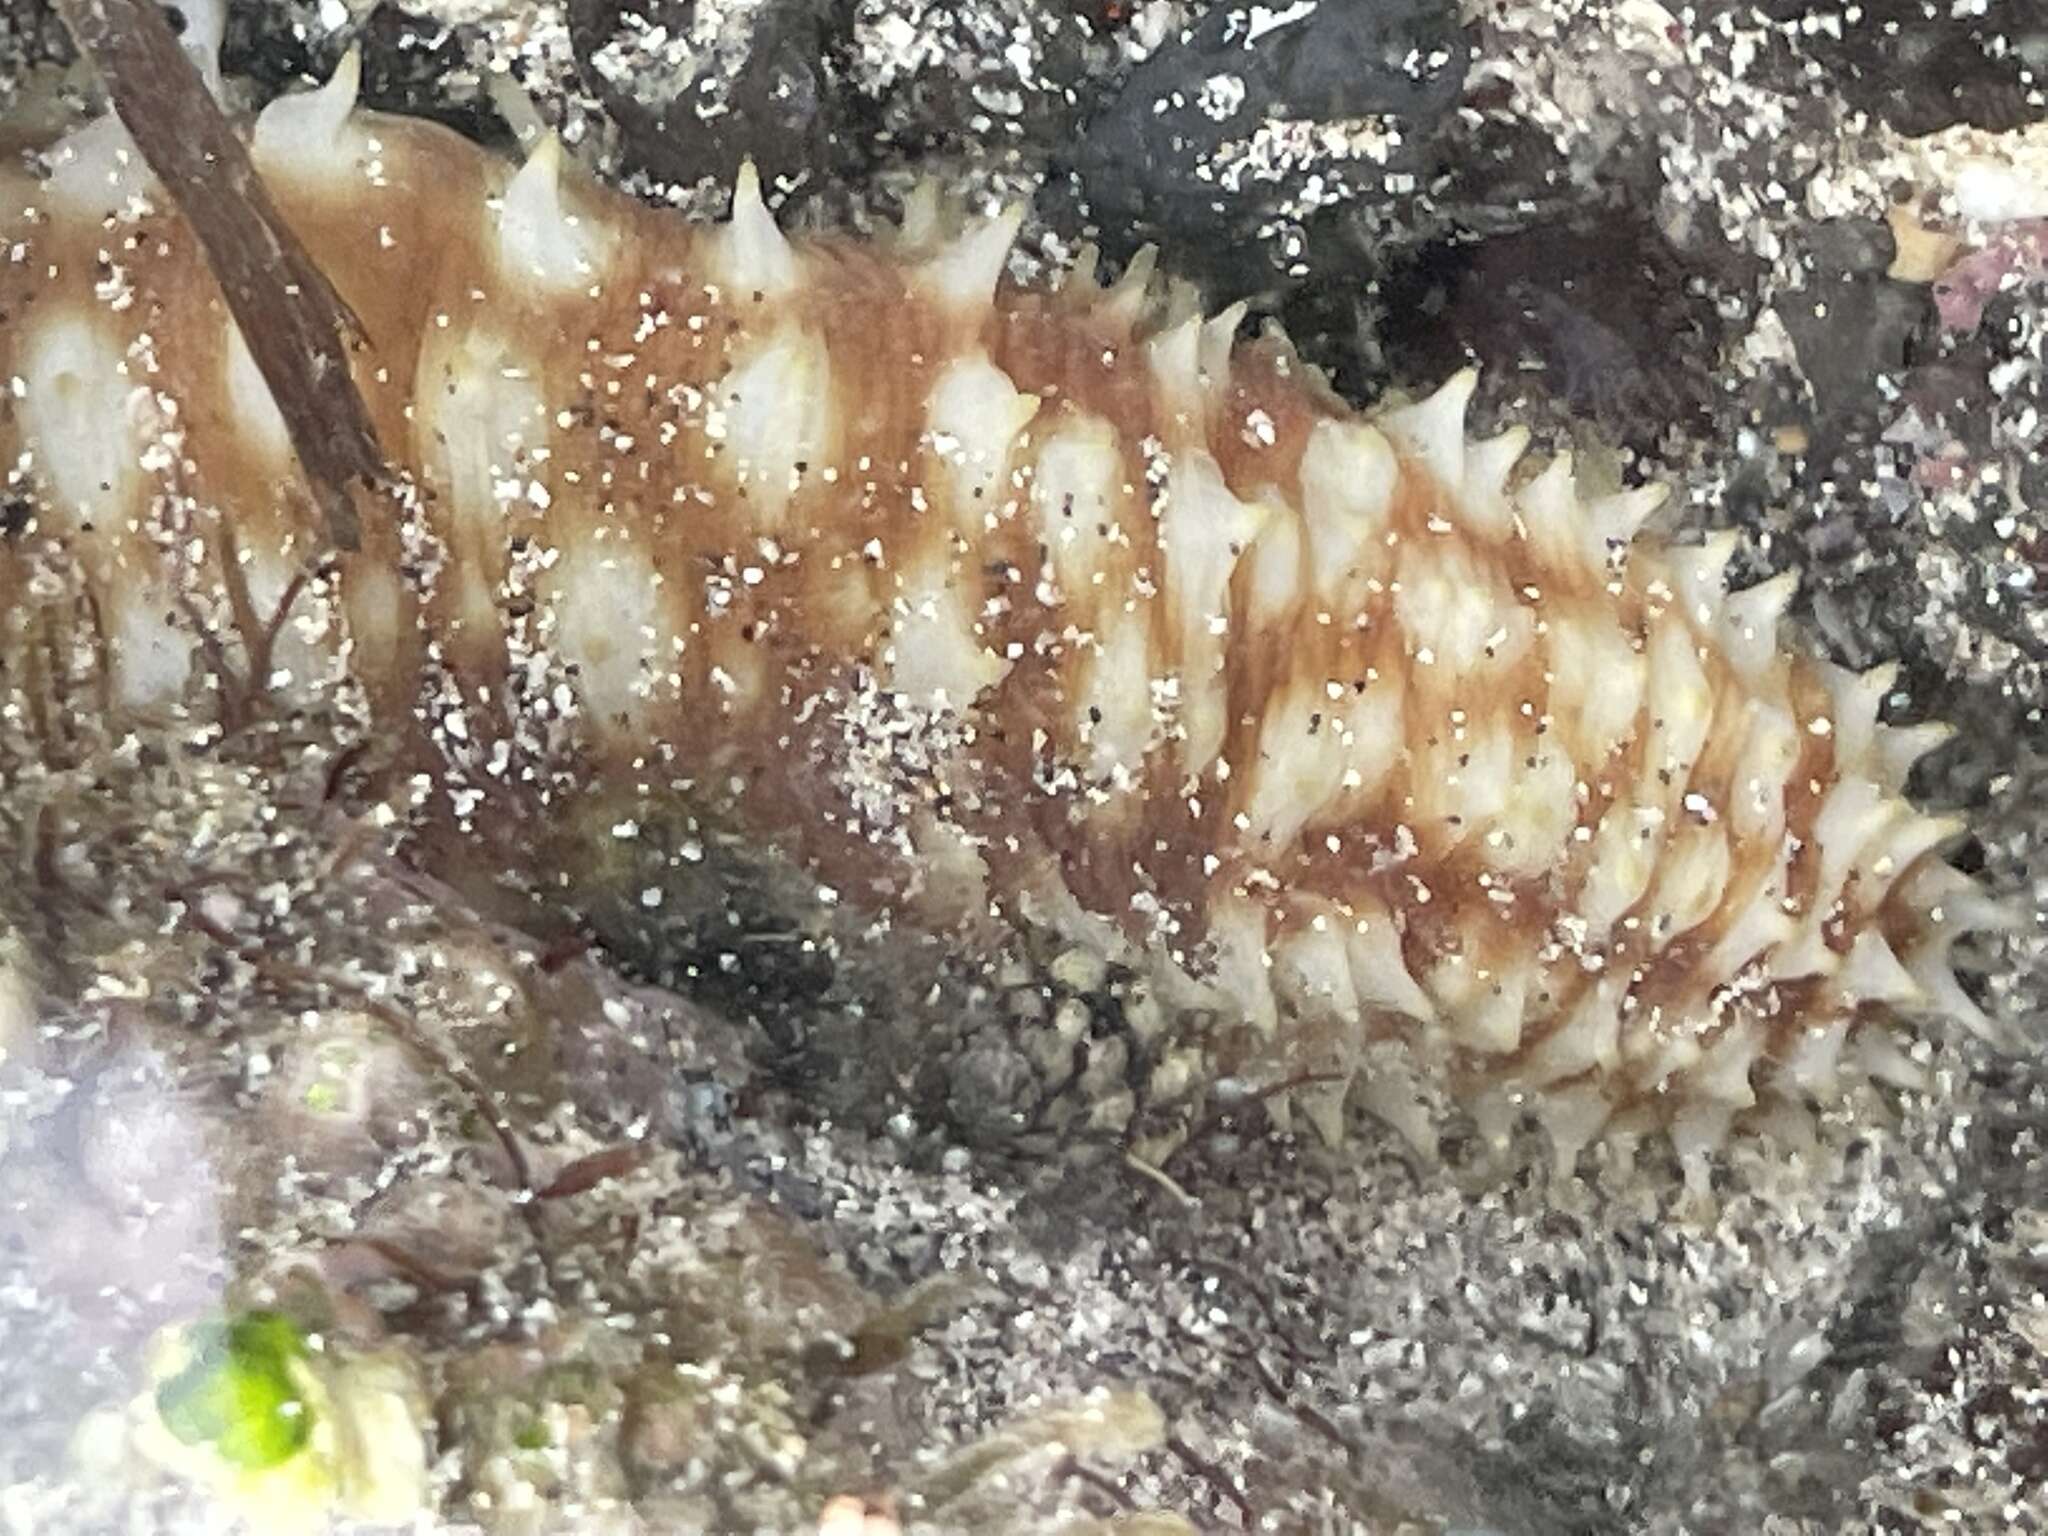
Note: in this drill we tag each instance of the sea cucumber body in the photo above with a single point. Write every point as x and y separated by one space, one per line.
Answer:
987 603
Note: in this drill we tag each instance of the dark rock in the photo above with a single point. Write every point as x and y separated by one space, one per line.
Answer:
1917 67
767 92
1850 329
1147 157
1601 312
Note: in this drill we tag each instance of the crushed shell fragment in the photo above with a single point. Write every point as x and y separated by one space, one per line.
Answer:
1062 608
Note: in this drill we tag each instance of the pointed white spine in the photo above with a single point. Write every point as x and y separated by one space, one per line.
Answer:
1955 903
1586 1041
755 256
1928 965
1076 475
304 136
935 658
1323 1103
1482 1007
963 276
1762 926
1078 283
1717 1089
1314 972
152 653
1858 697
1598 679
1770 751
1881 1058
1219 340
610 627
1615 520
1125 301
1855 814
96 171
1873 974
972 421
257 417
1680 705
1379 974
1175 358
1813 1065
1496 1111
1624 854
1723 1072
1348 475
1749 628
1483 505
1697 1135
1693 874
539 240
1900 747
1278 580
206 23
1785 1119
1805 953
1387 1089
780 417
1204 530
79 406
918 232
1433 430
1571 1117
1699 576
1905 841
1237 933
1183 303
1952 905
1551 518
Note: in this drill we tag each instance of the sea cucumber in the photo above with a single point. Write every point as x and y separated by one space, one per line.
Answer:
988 603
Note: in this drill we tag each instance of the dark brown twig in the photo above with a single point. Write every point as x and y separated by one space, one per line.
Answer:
586 1173
1073 1467
1216 1477
423 1275
296 325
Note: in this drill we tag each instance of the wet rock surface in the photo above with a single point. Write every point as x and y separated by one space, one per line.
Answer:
649 1275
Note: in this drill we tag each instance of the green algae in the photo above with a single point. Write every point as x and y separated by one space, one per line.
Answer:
238 1394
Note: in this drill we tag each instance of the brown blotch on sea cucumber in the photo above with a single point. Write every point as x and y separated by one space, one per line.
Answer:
992 609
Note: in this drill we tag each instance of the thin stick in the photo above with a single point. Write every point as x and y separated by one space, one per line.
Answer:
297 327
